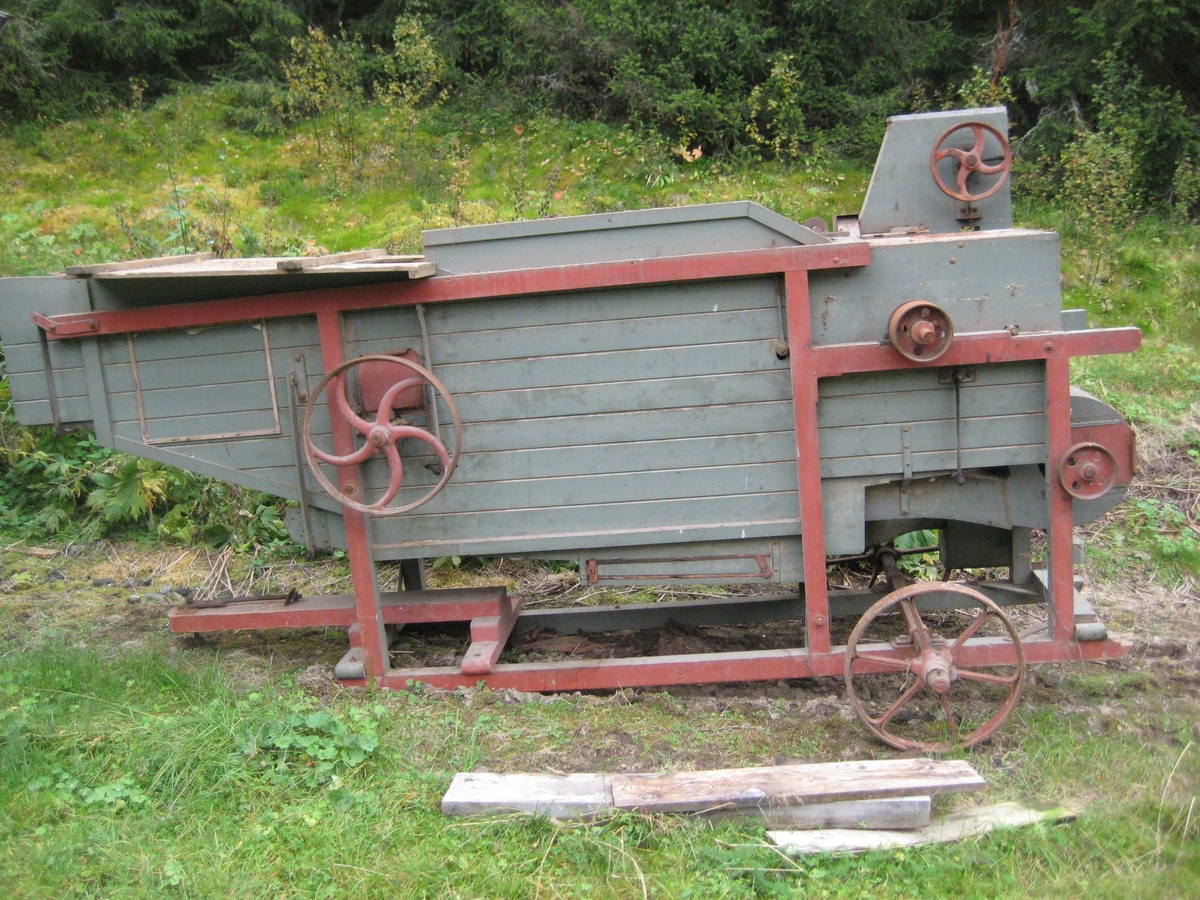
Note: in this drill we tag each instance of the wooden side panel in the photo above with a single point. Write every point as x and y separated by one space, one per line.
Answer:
985 281
19 298
651 415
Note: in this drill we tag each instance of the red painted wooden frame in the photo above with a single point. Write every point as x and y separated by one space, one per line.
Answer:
808 363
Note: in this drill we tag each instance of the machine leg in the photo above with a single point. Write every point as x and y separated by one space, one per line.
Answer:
1062 518
358 542
808 460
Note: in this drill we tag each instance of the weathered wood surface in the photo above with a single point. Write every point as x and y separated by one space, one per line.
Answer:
553 796
126 265
891 813
956 826
811 795
790 785
203 265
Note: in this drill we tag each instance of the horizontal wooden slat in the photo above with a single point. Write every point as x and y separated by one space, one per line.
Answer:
585 306
587 337
927 379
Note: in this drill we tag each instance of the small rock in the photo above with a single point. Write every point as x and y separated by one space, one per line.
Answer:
154 598
175 598
55 575
184 591
133 599
103 582
1049 678
41 552
1168 647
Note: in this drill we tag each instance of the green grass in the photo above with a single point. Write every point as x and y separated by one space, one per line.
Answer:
125 775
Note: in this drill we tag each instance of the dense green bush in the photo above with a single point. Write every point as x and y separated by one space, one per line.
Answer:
776 78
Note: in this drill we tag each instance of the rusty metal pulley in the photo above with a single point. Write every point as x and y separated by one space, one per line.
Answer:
970 161
381 435
1088 471
920 331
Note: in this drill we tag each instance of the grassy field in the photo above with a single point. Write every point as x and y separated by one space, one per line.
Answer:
136 764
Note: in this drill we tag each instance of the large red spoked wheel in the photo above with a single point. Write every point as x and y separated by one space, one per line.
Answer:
910 684
970 161
381 434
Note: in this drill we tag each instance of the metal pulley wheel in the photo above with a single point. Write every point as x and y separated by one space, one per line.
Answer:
970 161
920 331
1088 471
920 689
381 435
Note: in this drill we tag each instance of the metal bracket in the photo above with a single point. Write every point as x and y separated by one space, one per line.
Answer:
907 461
958 377
51 389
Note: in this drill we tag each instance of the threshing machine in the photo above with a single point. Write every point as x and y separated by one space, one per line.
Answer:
694 395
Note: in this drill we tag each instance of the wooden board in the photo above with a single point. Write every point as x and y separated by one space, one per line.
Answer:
553 796
956 826
783 785
203 265
890 813
762 791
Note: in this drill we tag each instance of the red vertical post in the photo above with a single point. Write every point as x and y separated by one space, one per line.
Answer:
1062 516
358 544
808 461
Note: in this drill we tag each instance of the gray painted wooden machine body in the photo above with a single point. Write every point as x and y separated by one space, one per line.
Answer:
646 430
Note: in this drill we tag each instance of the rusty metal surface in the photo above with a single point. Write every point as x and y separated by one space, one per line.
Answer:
376 378
920 331
928 662
1087 471
382 435
970 161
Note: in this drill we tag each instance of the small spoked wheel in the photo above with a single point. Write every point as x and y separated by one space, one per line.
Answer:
381 435
933 681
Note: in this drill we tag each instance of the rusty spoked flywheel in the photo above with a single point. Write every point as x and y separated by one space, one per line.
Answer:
917 684
380 435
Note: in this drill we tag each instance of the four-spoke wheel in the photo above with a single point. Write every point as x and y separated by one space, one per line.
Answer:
381 435
918 686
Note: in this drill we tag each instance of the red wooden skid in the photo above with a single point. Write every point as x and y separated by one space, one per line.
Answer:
338 610
489 634
447 288
701 668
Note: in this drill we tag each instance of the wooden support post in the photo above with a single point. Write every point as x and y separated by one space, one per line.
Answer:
808 461
358 544
1062 518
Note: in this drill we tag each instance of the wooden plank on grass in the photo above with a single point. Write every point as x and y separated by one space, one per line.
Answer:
956 826
792 785
554 796
890 813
